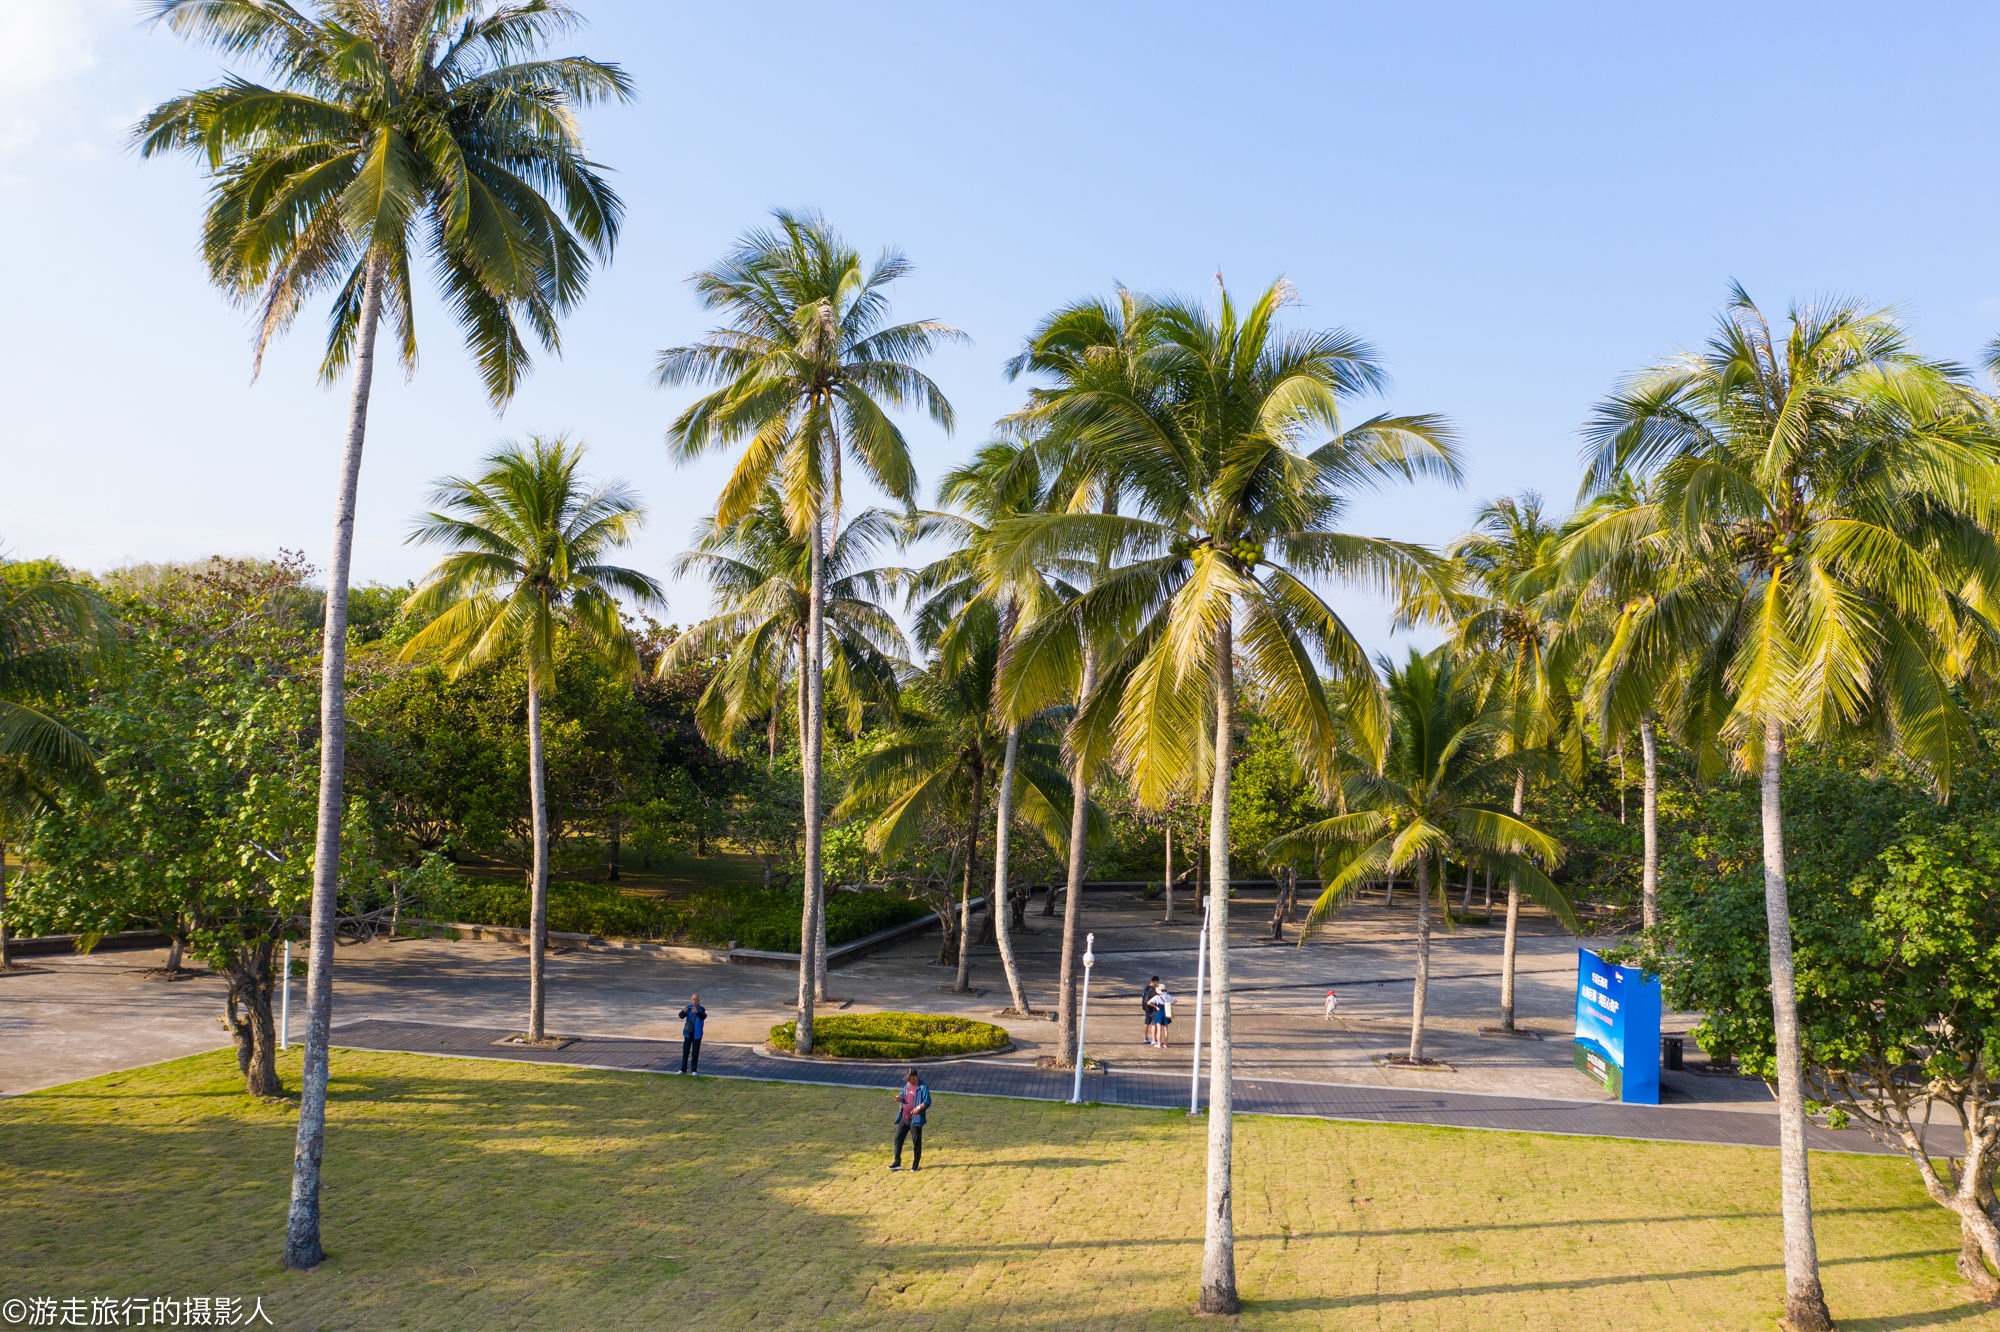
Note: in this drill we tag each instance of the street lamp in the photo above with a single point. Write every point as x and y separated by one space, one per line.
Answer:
285 1003
1083 1015
1200 973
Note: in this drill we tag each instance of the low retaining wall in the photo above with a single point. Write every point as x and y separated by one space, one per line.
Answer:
46 944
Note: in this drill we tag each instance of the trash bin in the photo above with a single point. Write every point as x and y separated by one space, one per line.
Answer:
1670 1052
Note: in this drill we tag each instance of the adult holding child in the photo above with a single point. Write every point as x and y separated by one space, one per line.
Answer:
1163 1015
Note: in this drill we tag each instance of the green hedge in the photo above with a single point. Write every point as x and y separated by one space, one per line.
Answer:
893 1036
766 918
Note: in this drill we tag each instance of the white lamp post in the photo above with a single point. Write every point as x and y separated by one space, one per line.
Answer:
1083 1015
285 1003
1200 972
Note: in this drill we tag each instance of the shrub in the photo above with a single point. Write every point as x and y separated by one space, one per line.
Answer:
766 918
893 1036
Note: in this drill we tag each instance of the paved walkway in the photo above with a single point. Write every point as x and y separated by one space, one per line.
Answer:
1000 1076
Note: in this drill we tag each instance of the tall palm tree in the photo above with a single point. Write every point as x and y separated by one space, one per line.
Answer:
390 131
1228 439
1507 620
939 761
1841 489
1092 347
1611 591
1428 792
52 630
806 362
760 578
530 535
959 607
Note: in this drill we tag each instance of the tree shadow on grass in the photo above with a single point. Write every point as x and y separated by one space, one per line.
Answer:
1371 1298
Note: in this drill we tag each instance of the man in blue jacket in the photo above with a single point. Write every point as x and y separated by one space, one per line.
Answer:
692 1018
912 1103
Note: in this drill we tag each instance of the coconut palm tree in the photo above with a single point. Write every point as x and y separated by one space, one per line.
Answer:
52 630
806 362
1841 490
390 132
959 607
1610 598
1228 440
1507 622
1428 793
940 759
1090 348
760 577
529 535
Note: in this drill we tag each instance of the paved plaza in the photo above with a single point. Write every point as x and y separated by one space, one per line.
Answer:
81 1016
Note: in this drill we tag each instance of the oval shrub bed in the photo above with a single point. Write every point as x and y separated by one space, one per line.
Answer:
893 1036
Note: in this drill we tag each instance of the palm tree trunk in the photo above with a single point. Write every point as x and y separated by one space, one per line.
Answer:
1649 815
1218 1253
302 1242
538 893
1423 957
1468 886
1805 1300
964 981
1079 824
1168 874
1000 899
1513 914
810 740
5 961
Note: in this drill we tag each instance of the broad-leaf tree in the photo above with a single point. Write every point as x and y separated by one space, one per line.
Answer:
530 537
1842 489
386 135
807 365
1228 441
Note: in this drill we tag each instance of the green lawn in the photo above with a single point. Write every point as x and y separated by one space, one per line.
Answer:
500 1195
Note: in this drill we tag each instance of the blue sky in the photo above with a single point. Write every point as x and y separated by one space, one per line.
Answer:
1516 204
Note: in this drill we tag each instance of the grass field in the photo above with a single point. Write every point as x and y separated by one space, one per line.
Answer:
465 1194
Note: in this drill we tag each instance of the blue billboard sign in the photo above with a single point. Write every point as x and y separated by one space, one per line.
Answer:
1618 1028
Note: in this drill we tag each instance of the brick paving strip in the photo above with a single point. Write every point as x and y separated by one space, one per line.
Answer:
1021 1081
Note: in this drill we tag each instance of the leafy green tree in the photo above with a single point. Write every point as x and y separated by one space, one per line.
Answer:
1428 793
390 131
1839 490
530 537
203 823
806 364
1228 438
53 630
1896 925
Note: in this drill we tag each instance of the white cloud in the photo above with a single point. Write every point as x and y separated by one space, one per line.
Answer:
44 46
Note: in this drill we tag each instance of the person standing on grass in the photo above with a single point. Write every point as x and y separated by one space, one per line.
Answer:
693 1017
912 1104
1146 1008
